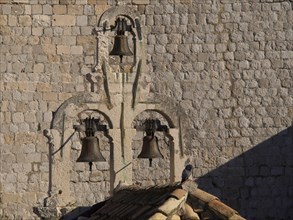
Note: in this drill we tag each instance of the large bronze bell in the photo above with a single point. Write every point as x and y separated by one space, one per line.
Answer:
90 151
121 47
150 148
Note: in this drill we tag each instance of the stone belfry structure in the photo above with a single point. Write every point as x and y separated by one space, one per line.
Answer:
122 105
214 77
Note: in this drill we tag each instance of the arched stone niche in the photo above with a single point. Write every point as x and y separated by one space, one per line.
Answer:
105 37
118 105
161 170
92 185
121 129
71 182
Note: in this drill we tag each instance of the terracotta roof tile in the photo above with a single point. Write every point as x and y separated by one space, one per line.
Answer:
221 209
189 213
175 217
172 202
203 196
158 216
210 206
170 205
135 203
178 193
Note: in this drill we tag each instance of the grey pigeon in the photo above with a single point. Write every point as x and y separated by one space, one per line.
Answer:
186 173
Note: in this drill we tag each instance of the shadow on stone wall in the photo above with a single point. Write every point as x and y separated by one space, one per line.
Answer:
259 182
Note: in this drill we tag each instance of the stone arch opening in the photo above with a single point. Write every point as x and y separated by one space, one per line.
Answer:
74 179
161 169
104 33
73 106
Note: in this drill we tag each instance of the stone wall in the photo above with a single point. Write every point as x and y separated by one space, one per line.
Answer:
228 64
224 66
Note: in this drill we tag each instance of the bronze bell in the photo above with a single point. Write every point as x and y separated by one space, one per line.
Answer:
90 151
121 47
150 148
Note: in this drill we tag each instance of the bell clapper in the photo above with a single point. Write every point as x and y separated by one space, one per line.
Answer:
151 160
91 164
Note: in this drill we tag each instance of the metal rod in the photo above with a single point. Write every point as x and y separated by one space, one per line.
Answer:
62 137
122 129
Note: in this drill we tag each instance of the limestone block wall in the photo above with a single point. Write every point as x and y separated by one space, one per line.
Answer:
229 66
224 66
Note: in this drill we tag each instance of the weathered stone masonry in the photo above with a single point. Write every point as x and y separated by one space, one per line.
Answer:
226 67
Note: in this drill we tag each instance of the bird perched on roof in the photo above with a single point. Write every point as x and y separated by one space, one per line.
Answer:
186 173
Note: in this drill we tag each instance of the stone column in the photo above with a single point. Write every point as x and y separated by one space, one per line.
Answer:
121 158
59 175
176 157
61 166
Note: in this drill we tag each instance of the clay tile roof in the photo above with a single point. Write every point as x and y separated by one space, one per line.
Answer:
171 206
224 211
203 196
221 208
139 203
209 205
173 202
178 193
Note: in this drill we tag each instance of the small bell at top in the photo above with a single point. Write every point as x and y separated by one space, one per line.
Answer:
121 47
